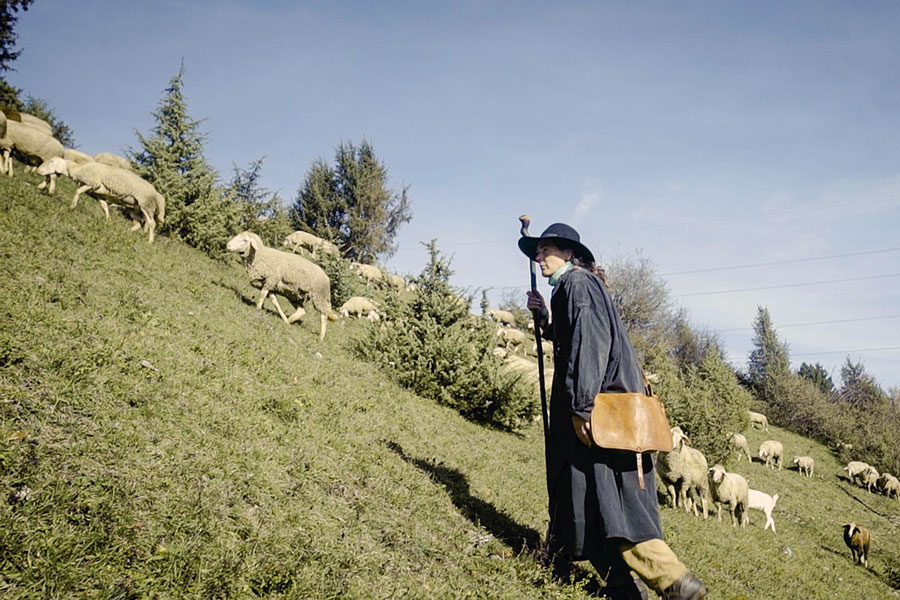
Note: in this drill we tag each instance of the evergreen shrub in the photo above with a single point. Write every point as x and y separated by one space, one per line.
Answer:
434 347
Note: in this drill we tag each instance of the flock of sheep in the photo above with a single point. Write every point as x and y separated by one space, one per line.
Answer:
691 484
104 176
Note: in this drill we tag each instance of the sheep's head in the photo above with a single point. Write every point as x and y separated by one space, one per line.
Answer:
717 473
55 165
244 242
849 528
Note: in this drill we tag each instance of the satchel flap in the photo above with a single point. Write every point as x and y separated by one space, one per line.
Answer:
630 421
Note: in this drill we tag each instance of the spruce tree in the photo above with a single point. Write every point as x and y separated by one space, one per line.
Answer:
769 359
351 204
255 208
172 159
818 375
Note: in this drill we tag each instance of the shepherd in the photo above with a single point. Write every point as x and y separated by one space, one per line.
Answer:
600 510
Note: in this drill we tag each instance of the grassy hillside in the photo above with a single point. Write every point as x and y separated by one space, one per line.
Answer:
160 437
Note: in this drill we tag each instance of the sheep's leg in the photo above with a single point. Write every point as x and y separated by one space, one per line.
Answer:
149 222
78 193
52 188
324 322
6 163
671 494
297 315
105 206
262 297
278 306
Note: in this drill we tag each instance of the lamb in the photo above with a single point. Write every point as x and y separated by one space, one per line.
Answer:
868 478
805 464
397 282
511 338
359 306
111 184
313 243
370 273
503 317
859 540
732 489
739 443
889 485
772 452
113 160
292 276
683 472
764 502
759 420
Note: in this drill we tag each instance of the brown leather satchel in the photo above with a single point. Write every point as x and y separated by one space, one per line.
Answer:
633 422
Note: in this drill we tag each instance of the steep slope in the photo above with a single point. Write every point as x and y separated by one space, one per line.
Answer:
159 436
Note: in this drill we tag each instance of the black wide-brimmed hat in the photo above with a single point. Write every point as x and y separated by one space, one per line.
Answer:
560 234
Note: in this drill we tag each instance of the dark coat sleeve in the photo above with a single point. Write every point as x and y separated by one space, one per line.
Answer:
590 348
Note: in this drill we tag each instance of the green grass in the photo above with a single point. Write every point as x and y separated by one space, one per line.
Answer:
161 438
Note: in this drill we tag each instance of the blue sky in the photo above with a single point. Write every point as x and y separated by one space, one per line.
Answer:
706 135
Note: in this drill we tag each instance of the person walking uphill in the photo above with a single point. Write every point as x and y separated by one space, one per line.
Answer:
599 508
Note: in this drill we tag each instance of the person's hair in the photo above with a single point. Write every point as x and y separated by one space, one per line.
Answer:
592 267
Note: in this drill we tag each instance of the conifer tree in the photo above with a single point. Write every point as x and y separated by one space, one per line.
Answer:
172 159
255 208
769 359
351 204
818 375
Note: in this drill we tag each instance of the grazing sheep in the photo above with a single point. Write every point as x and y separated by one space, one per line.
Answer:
397 283
121 187
370 273
75 156
292 276
503 317
772 452
731 489
29 144
764 502
546 348
889 485
868 479
859 540
359 306
36 122
805 464
739 443
113 160
314 244
512 338
683 472
855 467
758 420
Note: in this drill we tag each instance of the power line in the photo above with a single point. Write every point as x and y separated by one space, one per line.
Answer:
787 285
858 351
817 323
781 262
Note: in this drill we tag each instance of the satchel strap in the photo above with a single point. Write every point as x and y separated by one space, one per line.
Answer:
640 469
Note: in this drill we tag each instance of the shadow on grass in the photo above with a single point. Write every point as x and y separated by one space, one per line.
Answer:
857 498
518 537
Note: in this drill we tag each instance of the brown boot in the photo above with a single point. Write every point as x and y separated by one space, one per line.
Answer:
688 587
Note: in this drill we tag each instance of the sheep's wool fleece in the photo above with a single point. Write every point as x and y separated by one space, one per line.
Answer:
292 276
594 493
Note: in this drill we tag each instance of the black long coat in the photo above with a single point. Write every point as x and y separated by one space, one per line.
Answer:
594 493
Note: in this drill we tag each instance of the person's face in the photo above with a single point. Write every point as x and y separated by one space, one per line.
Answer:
551 257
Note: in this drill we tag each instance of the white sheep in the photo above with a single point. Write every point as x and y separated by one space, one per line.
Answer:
503 317
764 502
370 273
313 243
76 156
739 443
113 160
868 479
396 282
889 485
805 464
731 489
292 276
855 467
683 473
118 186
772 452
512 339
858 539
759 420
36 122
29 144
546 348
359 306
